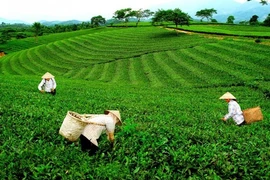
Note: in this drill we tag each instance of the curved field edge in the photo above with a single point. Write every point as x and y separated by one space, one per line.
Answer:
104 47
21 44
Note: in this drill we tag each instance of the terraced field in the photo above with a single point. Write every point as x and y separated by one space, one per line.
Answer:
146 55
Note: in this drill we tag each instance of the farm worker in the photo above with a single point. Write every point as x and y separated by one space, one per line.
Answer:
99 123
234 109
47 84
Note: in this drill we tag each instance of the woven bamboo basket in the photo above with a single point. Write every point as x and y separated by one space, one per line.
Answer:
253 115
72 126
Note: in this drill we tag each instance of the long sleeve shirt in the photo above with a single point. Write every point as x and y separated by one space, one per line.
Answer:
103 123
47 85
235 112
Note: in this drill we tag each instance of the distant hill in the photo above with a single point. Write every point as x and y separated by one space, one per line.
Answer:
52 23
243 12
7 21
44 22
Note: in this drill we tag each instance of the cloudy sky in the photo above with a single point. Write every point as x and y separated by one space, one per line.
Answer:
36 10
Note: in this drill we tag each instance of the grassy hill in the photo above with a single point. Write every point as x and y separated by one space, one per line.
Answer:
166 85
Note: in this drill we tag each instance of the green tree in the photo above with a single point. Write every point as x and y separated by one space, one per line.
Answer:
21 35
230 19
160 16
254 20
57 28
142 14
74 27
263 2
85 25
266 22
6 35
124 14
3 24
97 20
37 29
176 16
206 13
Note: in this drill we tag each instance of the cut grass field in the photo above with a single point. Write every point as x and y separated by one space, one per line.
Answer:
166 87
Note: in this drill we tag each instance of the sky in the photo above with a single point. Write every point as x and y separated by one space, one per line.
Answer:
31 11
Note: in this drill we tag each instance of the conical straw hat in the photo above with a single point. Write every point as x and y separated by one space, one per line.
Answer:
116 113
47 75
227 95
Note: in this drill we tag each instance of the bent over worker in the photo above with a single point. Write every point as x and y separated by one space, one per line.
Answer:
47 84
234 109
99 123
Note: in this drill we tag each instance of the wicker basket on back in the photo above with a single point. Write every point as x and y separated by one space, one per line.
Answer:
72 126
253 115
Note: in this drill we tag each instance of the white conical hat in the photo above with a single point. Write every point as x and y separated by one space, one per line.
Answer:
227 95
116 113
47 75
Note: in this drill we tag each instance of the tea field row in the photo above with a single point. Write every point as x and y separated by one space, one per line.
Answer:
167 133
21 44
143 57
166 87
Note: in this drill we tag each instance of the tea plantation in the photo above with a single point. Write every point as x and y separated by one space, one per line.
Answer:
166 86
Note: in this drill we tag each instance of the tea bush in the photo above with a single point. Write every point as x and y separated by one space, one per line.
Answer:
168 133
166 88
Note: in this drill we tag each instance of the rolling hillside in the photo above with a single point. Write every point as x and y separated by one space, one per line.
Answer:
146 55
166 84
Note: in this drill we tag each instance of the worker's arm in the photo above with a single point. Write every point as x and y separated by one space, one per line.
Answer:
110 127
111 137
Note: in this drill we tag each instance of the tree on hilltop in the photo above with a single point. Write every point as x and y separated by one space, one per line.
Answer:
177 16
230 20
97 20
160 16
254 20
206 13
37 29
124 14
266 22
142 14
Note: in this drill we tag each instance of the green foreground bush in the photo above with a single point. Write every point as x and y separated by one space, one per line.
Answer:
166 86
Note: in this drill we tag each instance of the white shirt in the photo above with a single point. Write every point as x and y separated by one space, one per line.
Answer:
93 131
235 112
47 85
